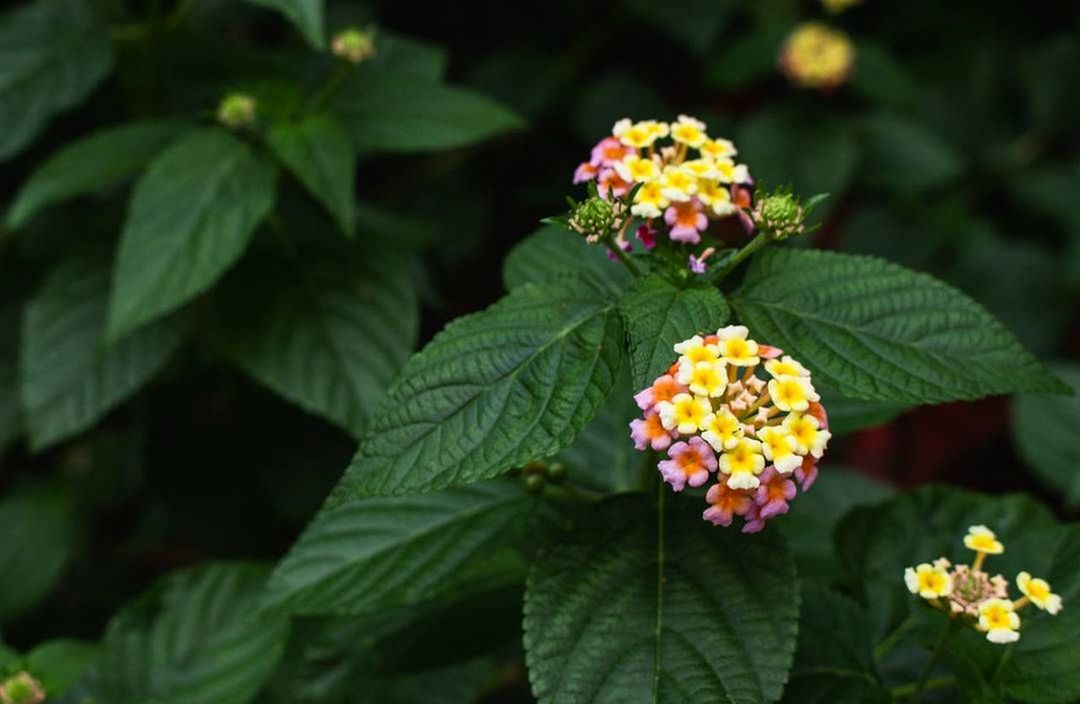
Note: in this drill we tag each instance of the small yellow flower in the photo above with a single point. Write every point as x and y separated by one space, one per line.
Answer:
684 413
715 197
792 393
998 620
981 539
928 581
688 131
742 464
677 185
722 430
785 366
637 169
696 350
1038 592
650 201
817 56
779 448
809 437
701 169
717 149
736 349
703 378
638 134
730 172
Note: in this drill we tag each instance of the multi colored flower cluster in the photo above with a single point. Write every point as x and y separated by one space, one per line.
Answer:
817 56
678 186
969 593
21 689
713 415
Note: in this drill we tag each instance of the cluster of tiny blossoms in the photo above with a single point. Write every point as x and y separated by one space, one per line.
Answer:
678 186
817 56
21 689
967 592
712 414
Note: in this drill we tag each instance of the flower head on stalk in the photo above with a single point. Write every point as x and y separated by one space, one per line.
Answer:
353 44
21 688
967 592
817 56
236 110
718 417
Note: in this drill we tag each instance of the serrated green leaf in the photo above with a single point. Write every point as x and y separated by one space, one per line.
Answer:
90 164
369 555
809 525
191 217
52 53
326 329
39 534
658 315
317 151
877 331
59 664
901 154
553 251
1044 430
689 613
306 15
69 377
10 422
834 661
399 112
876 543
492 391
196 638
603 455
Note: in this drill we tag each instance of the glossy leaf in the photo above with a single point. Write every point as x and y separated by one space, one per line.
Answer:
877 331
492 391
191 217
317 151
39 537
306 15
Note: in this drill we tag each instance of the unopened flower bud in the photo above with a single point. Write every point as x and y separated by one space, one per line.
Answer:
21 689
597 217
534 483
236 110
780 214
556 473
353 45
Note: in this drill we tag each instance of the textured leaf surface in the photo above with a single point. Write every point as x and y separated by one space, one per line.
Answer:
69 377
706 615
367 555
658 315
877 331
196 638
1045 432
494 390
39 532
328 330
307 15
401 112
876 543
191 216
603 455
551 252
10 422
52 54
834 660
90 164
317 151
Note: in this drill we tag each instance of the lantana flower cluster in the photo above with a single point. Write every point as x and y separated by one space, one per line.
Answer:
817 56
678 180
715 418
967 592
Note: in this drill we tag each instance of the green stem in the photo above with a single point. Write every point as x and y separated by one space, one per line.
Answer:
579 493
330 85
893 638
905 690
939 650
1001 663
659 586
729 266
622 257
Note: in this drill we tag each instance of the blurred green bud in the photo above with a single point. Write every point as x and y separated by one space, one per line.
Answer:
21 689
780 214
353 45
596 218
556 473
534 483
236 110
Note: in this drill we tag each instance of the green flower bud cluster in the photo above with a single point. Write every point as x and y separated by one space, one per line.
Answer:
21 689
596 218
236 110
780 214
537 475
353 45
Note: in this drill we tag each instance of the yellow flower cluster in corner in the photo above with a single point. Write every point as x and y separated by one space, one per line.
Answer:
966 591
817 56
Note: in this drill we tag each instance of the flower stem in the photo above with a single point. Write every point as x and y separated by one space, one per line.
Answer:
939 650
893 638
330 85
752 246
936 683
622 257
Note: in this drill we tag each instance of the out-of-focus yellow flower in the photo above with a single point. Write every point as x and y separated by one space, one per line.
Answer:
838 6
817 56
